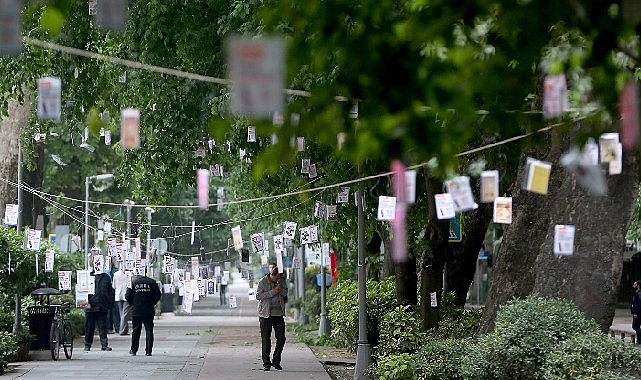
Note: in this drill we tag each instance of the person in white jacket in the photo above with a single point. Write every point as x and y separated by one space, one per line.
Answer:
121 282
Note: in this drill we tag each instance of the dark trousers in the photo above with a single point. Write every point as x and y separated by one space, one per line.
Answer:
93 319
636 326
266 325
136 329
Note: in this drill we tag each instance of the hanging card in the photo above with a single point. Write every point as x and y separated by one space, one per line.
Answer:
563 240
331 213
33 239
258 242
251 134
555 96
290 230
608 146
64 280
489 185
49 260
386 208
343 196
537 176
98 264
616 165
264 259
629 110
410 186
11 214
279 262
312 171
305 166
49 95
305 237
279 245
503 210
590 153
459 189
238 238
130 128
313 233
214 170
300 144
444 206
319 210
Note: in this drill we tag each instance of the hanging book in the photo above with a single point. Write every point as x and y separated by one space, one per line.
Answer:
503 210
258 242
49 95
616 165
130 128
331 213
537 176
238 238
305 238
459 189
386 208
251 134
305 162
489 185
629 110
555 96
444 206
608 146
290 230
279 246
343 196
563 240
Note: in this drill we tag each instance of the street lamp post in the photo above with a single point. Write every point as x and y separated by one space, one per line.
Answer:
88 180
129 204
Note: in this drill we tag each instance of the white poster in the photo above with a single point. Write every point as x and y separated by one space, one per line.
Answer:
251 134
444 206
82 278
11 215
64 280
98 264
238 238
49 260
305 237
563 240
313 233
290 230
278 243
258 242
343 196
386 208
33 239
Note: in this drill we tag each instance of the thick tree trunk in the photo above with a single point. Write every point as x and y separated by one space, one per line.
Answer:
10 127
406 280
525 262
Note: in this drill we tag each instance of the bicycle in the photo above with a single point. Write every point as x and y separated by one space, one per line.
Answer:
61 333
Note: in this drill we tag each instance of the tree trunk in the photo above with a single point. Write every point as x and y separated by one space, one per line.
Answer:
10 127
388 267
525 263
406 279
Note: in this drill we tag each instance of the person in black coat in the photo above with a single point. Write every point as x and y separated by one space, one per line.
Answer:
143 296
98 304
635 309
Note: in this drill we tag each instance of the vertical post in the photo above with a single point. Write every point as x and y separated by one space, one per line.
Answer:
363 355
17 326
323 326
86 237
149 212
128 203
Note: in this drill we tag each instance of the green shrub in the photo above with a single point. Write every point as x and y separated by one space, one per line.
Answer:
451 359
77 319
6 321
396 367
8 348
400 331
312 305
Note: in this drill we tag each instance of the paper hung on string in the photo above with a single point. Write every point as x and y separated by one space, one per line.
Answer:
503 210
313 233
305 237
608 146
256 68
537 176
319 210
279 262
10 27
461 192
279 245
616 166
203 188
588 174
49 260
49 95
214 170
258 242
107 137
238 239
98 264
241 153
130 128
10 214
629 110
168 264
489 185
312 171
278 119
331 213
555 96
386 208
289 230
112 14
563 240
325 260
300 144
251 134
33 239
444 206
433 299
304 169
410 186
343 196
64 280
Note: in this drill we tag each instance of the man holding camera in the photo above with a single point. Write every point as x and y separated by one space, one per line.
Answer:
270 294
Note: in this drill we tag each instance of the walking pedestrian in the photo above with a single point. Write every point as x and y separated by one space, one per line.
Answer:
98 305
143 296
635 309
121 284
271 315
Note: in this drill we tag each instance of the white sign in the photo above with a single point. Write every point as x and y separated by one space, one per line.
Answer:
49 260
290 230
444 206
238 238
258 242
64 280
563 240
11 215
305 238
386 208
278 243
33 239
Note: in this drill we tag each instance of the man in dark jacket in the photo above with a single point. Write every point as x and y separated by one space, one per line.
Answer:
98 305
143 296
635 309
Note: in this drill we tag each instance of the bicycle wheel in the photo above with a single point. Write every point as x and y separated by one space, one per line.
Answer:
54 340
67 340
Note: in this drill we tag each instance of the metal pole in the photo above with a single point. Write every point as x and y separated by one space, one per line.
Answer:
128 203
149 212
17 326
363 354
323 325
87 179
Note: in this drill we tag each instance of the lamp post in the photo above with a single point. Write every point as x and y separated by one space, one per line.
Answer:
88 180
149 212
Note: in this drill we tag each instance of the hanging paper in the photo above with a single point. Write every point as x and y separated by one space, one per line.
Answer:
11 215
203 188
256 68
258 242
616 165
49 95
193 231
98 264
244 255
608 146
10 27
563 240
629 110
130 128
290 230
300 144
313 233
64 280
312 171
503 210
168 264
444 206
353 112
489 185
555 96
238 239
410 186
587 173
33 239
331 213
49 260
107 137
319 210
305 162
386 208
215 170
433 299
279 262
461 192
278 243
251 134
305 238
325 260
343 196
232 302
537 176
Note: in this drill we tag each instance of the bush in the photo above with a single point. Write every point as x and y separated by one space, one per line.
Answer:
396 367
6 321
451 359
77 319
312 304
400 331
8 348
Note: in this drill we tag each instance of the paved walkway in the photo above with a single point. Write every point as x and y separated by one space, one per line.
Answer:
214 342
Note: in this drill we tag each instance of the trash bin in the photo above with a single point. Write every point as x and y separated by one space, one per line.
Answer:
40 318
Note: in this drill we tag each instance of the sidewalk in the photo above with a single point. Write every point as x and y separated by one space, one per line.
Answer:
204 345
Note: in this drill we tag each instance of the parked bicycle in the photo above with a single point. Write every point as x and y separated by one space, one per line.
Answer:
61 334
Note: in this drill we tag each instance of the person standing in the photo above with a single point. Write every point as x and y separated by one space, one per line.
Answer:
143 296
98 305
121 284
270 294
635 309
